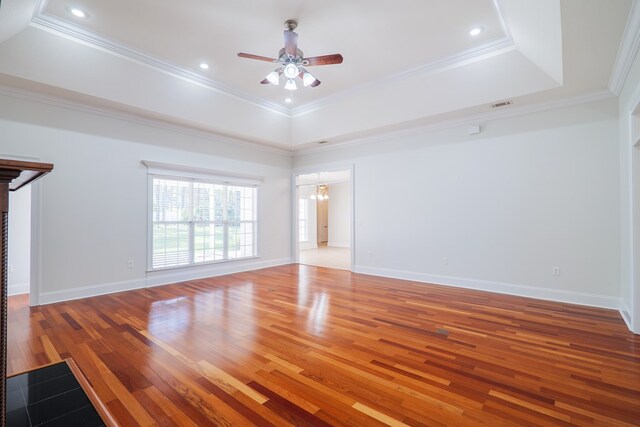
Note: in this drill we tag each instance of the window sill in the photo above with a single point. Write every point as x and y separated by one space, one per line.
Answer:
202 264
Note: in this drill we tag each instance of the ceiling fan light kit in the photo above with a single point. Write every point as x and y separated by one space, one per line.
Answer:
291 71
274 78
308 79
292 62
291 85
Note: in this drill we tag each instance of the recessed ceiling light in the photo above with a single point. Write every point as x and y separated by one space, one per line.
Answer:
476 31
288 100
204 65
78 13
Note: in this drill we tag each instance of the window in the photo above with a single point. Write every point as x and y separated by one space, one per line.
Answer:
196 221
303 220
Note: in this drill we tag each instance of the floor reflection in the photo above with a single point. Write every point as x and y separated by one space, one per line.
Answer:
170 315
303 290
317 320
223 316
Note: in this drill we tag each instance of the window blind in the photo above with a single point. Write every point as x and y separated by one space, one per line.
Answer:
196 221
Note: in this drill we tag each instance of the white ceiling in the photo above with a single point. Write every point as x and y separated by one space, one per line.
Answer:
406 63
376 37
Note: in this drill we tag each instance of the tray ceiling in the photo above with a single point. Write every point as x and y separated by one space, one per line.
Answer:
403 61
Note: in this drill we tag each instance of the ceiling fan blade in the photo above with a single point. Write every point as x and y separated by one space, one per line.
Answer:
291 43
258 57
336 58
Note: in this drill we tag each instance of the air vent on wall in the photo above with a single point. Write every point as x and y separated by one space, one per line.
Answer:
501 104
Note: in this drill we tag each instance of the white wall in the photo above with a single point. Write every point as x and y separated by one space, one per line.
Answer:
339 215
304 193
93 206
505 207
19 260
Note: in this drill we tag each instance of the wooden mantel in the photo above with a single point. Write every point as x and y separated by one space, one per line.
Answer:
27 172
14 175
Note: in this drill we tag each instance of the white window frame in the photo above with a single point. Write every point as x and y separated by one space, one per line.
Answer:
193 174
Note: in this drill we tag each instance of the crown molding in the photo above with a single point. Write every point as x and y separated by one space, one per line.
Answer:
503 22
140 120
483 51
44 21
75 32
294 152
628 50
464 121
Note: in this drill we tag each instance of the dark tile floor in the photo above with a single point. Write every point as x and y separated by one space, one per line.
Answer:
48 397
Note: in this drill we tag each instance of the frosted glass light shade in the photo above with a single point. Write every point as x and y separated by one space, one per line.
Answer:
308 79
291 71
291 85
274 78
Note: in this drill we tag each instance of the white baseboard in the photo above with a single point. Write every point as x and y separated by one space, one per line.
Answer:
581 298
626 315
90 291
158 278
338 244
18 289
165 277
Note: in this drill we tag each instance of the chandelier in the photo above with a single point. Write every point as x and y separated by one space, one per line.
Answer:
321 193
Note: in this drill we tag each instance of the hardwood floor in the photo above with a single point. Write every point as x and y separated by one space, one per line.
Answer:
303 345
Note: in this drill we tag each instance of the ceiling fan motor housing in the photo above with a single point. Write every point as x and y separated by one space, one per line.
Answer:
284 58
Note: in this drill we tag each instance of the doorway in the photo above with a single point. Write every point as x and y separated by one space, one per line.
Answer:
324 216
19 242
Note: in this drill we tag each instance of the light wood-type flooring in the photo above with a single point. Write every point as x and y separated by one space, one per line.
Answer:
303 345
327 256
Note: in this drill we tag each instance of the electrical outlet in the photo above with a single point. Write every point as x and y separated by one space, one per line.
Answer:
10 268
555 271
130 264
445 260
370 253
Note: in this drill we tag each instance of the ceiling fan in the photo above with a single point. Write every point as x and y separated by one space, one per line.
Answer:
292 62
